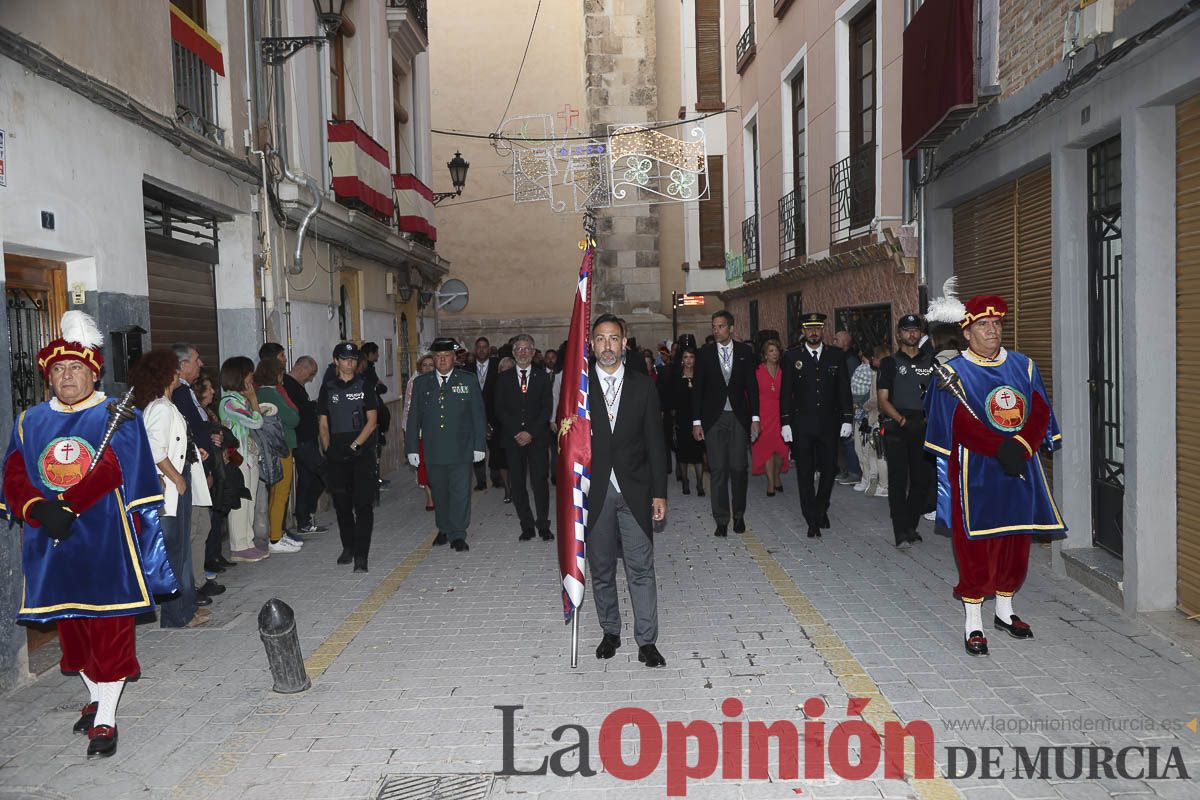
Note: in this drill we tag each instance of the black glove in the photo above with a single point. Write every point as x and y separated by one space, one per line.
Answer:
1011 455
53 517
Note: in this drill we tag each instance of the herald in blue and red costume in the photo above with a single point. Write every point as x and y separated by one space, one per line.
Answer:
92 548
988 417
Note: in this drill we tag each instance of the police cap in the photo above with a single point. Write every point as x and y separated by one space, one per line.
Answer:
346 350
909 321
813 319
443 344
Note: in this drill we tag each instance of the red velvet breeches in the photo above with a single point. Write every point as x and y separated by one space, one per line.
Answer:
989 566
103 648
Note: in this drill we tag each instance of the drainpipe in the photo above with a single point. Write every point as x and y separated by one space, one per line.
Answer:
281 153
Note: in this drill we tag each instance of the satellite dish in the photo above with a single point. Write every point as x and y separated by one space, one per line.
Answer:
453 295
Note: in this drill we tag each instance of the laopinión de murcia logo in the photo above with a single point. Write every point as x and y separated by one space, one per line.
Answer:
854 749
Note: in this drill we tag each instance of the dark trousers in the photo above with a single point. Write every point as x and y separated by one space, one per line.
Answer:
728 446
179 610
352 484
218 520
310 465
534 460
616 533
489 465
451 488
909 475
815 452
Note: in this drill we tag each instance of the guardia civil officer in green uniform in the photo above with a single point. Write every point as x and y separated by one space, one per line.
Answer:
447 417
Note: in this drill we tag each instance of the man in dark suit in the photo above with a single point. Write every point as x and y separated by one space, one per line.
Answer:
628 491
815 408
725 418
524 404
487 370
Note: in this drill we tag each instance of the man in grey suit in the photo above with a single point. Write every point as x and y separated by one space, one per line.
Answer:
628 492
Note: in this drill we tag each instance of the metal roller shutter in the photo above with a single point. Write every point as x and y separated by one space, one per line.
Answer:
1187 358
984 246
1033 307
183 305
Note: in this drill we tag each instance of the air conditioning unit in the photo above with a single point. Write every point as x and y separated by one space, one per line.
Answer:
391 283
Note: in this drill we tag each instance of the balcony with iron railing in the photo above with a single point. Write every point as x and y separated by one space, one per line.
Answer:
750 247
746 48
196 94
852 194
793 228
417 8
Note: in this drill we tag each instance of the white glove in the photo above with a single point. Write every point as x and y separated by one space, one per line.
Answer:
786 430
478 456
847 429
414 460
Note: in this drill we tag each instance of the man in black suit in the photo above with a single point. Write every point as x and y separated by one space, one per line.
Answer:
487 370
815 408
725 418
628 491
524 404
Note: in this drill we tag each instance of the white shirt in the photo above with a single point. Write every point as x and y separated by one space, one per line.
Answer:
726 351
810 352
612 402
442 379
481 368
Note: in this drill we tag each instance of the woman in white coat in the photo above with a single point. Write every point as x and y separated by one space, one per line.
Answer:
153 377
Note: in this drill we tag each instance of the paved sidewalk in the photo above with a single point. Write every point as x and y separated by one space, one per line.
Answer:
413 692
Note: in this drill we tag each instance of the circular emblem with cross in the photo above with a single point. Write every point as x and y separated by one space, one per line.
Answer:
1006 408
65 461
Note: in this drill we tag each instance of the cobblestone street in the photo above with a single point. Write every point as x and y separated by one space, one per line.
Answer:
409 661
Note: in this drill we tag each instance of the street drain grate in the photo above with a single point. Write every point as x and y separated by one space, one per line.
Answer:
434 787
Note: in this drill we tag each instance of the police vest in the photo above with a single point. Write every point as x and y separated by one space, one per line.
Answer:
912 377
347 406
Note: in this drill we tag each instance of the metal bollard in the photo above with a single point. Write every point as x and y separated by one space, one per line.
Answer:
277 628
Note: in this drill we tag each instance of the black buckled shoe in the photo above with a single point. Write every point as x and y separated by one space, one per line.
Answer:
441 538
722 530
360 564
739 524
211 588
525 536
203 600
814 531
608 646
976 644
346 557
648 654
546 534
86 717
103 741
1017 629
460 546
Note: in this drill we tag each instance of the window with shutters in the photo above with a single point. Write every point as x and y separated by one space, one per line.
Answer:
708 56
337 78
712 217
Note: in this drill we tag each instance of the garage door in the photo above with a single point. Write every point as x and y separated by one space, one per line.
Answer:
1187 343
183 305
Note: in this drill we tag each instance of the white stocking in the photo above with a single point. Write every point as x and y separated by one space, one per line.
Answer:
974 617
93 694
110 693
1004 609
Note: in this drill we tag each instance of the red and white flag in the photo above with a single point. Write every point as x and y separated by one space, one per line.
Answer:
574 447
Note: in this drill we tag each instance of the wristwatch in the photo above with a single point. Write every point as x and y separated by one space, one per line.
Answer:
354 446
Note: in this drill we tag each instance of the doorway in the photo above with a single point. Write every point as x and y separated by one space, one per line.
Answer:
1106 379
35 295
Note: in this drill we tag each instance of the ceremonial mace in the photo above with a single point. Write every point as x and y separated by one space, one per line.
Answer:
118 412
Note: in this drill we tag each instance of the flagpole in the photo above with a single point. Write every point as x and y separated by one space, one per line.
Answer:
575 639
589 234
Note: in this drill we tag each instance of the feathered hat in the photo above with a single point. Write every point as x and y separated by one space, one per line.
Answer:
947 309
81 340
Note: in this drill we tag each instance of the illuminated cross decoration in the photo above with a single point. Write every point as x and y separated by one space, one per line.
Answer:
568 115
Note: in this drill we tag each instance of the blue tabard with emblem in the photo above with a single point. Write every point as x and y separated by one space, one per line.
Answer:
110 565
1001 393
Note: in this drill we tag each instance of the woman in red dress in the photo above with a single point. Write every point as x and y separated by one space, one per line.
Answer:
769 453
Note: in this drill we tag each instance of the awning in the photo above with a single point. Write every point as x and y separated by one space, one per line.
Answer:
194 39
939 69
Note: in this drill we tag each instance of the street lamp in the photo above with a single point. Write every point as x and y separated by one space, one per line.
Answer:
458 167
277 49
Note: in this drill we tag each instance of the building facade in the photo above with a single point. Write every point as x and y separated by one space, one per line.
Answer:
588 65
818 211
1063 176
157 171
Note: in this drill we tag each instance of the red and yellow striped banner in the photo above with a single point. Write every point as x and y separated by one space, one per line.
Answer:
195 39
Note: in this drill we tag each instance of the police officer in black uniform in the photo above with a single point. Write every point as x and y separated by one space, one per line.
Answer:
901 384
347 410
815 409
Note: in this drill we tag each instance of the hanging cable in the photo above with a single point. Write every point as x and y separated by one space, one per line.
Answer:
521 68
498 137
